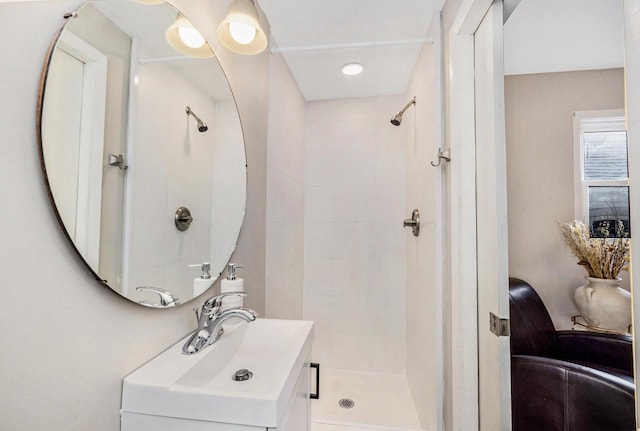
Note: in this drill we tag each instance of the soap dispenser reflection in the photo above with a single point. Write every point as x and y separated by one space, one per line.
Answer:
232 284
202 283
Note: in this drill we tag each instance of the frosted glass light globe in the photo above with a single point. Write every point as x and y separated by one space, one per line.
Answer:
242 33
191 37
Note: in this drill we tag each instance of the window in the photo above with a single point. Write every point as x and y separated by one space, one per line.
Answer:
602 172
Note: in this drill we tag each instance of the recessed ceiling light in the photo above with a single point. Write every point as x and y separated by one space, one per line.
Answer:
352 69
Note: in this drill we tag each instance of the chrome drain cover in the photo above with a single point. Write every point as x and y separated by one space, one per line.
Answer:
242 375
346 403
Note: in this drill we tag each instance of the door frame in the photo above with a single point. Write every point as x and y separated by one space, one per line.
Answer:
461 114
631 12
92 132
464 277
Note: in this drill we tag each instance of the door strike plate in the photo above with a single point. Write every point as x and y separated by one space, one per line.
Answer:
499 327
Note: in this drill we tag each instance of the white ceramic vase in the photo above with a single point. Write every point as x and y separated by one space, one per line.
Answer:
604 304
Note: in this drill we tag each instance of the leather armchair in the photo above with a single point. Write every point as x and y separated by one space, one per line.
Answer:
566 380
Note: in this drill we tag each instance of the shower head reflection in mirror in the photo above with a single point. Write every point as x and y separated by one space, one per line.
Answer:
202 126
112 62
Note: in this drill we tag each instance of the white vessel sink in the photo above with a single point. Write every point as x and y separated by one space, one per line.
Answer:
201 387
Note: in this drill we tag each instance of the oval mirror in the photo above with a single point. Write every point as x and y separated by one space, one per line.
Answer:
142 150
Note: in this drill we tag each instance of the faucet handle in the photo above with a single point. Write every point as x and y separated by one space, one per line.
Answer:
212 305
167 299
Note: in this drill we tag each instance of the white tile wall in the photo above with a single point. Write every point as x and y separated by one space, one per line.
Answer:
422 307
354 243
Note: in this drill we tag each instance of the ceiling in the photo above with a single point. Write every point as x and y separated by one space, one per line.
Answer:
562 35
317 37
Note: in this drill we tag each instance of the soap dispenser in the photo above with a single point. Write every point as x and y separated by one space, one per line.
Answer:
232 284
202 283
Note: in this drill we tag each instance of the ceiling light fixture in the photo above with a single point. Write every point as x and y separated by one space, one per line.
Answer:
184 38
240 31
351 69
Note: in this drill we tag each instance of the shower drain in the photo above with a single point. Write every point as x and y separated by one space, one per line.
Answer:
346 403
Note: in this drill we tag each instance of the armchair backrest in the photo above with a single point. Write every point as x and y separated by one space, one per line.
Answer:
532 330
548 394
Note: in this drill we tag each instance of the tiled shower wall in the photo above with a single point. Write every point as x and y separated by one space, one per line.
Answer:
354 242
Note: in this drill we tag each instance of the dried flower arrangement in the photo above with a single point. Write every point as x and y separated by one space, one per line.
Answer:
602 257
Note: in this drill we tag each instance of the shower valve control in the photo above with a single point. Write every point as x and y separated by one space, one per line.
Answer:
413 222
183 219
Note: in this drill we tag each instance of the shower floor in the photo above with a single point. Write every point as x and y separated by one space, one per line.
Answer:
382 402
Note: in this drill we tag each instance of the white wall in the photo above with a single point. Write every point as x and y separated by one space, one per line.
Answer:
249 80
285 194
69 376
354 254
539 130
422 299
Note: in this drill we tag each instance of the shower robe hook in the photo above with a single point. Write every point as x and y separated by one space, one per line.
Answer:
442 155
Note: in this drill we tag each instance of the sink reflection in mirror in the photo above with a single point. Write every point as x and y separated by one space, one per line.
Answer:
121 151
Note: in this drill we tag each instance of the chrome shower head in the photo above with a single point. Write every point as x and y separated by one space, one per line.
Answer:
202 126
397 119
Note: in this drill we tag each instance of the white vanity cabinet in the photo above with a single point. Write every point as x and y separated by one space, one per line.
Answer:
176 392
297 416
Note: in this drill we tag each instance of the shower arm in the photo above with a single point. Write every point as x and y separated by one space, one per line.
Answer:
411 102
188 110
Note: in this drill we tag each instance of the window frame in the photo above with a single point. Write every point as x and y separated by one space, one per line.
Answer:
612 120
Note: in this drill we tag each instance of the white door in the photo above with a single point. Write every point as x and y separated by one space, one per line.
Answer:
632 93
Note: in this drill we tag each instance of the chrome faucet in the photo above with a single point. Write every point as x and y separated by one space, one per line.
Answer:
167 299
210 319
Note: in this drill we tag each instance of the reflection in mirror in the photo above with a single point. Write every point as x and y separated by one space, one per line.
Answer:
132 130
